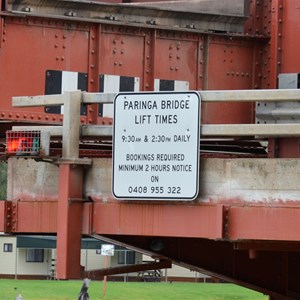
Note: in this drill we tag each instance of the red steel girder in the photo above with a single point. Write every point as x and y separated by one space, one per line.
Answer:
213 221
264 223
158 219
69 221
5 216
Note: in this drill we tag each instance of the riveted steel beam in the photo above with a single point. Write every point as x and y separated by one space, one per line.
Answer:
135 15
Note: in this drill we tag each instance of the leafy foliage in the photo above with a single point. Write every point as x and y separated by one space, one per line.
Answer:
3 180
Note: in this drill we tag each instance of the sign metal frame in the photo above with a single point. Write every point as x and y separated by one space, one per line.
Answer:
156 143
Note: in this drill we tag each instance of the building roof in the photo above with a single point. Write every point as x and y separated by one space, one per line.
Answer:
49 242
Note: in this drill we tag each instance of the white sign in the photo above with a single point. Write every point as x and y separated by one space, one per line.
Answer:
107 249
156 145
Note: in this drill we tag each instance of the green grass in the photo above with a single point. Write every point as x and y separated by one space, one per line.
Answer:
67 290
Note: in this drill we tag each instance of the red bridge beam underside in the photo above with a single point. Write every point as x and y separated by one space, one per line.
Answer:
212 221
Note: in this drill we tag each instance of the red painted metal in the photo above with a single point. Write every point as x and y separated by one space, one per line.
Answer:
202 236
107 49
158 220
229 65
217 221
52 47
5 216
264 223
69 211
34 216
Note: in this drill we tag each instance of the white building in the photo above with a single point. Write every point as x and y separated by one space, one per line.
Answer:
34 257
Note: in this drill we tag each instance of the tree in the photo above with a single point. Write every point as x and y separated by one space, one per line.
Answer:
3 180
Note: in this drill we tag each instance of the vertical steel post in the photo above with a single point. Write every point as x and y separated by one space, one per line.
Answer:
70 192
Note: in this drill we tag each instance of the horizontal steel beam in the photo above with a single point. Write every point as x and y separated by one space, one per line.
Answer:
259 130
250 95
206 96
270 95
133 15
219 130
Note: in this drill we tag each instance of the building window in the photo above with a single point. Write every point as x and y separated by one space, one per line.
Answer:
35 255
7 247
129 255
98 251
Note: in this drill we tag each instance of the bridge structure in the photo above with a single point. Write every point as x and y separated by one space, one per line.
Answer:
78 56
